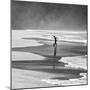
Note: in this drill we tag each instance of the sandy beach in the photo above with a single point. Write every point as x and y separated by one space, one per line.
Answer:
34 63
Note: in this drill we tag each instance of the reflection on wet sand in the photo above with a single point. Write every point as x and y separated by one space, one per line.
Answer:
51 63
46 66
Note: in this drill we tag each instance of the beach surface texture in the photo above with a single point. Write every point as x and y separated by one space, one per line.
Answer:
37 63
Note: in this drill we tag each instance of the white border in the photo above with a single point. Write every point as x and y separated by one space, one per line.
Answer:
62 1
5 44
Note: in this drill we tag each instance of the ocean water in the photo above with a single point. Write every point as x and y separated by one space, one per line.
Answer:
27 78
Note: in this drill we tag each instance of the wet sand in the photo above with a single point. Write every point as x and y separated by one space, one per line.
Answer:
47 50
35 73
33 79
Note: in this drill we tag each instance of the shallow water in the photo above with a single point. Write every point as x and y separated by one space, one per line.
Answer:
22 78
17 56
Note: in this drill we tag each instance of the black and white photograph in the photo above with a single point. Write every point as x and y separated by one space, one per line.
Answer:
49 43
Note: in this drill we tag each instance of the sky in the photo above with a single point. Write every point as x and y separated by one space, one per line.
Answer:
48 16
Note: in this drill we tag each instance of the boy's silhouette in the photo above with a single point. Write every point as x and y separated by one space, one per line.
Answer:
55 41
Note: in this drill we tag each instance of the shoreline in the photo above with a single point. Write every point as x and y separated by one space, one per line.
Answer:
52 70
